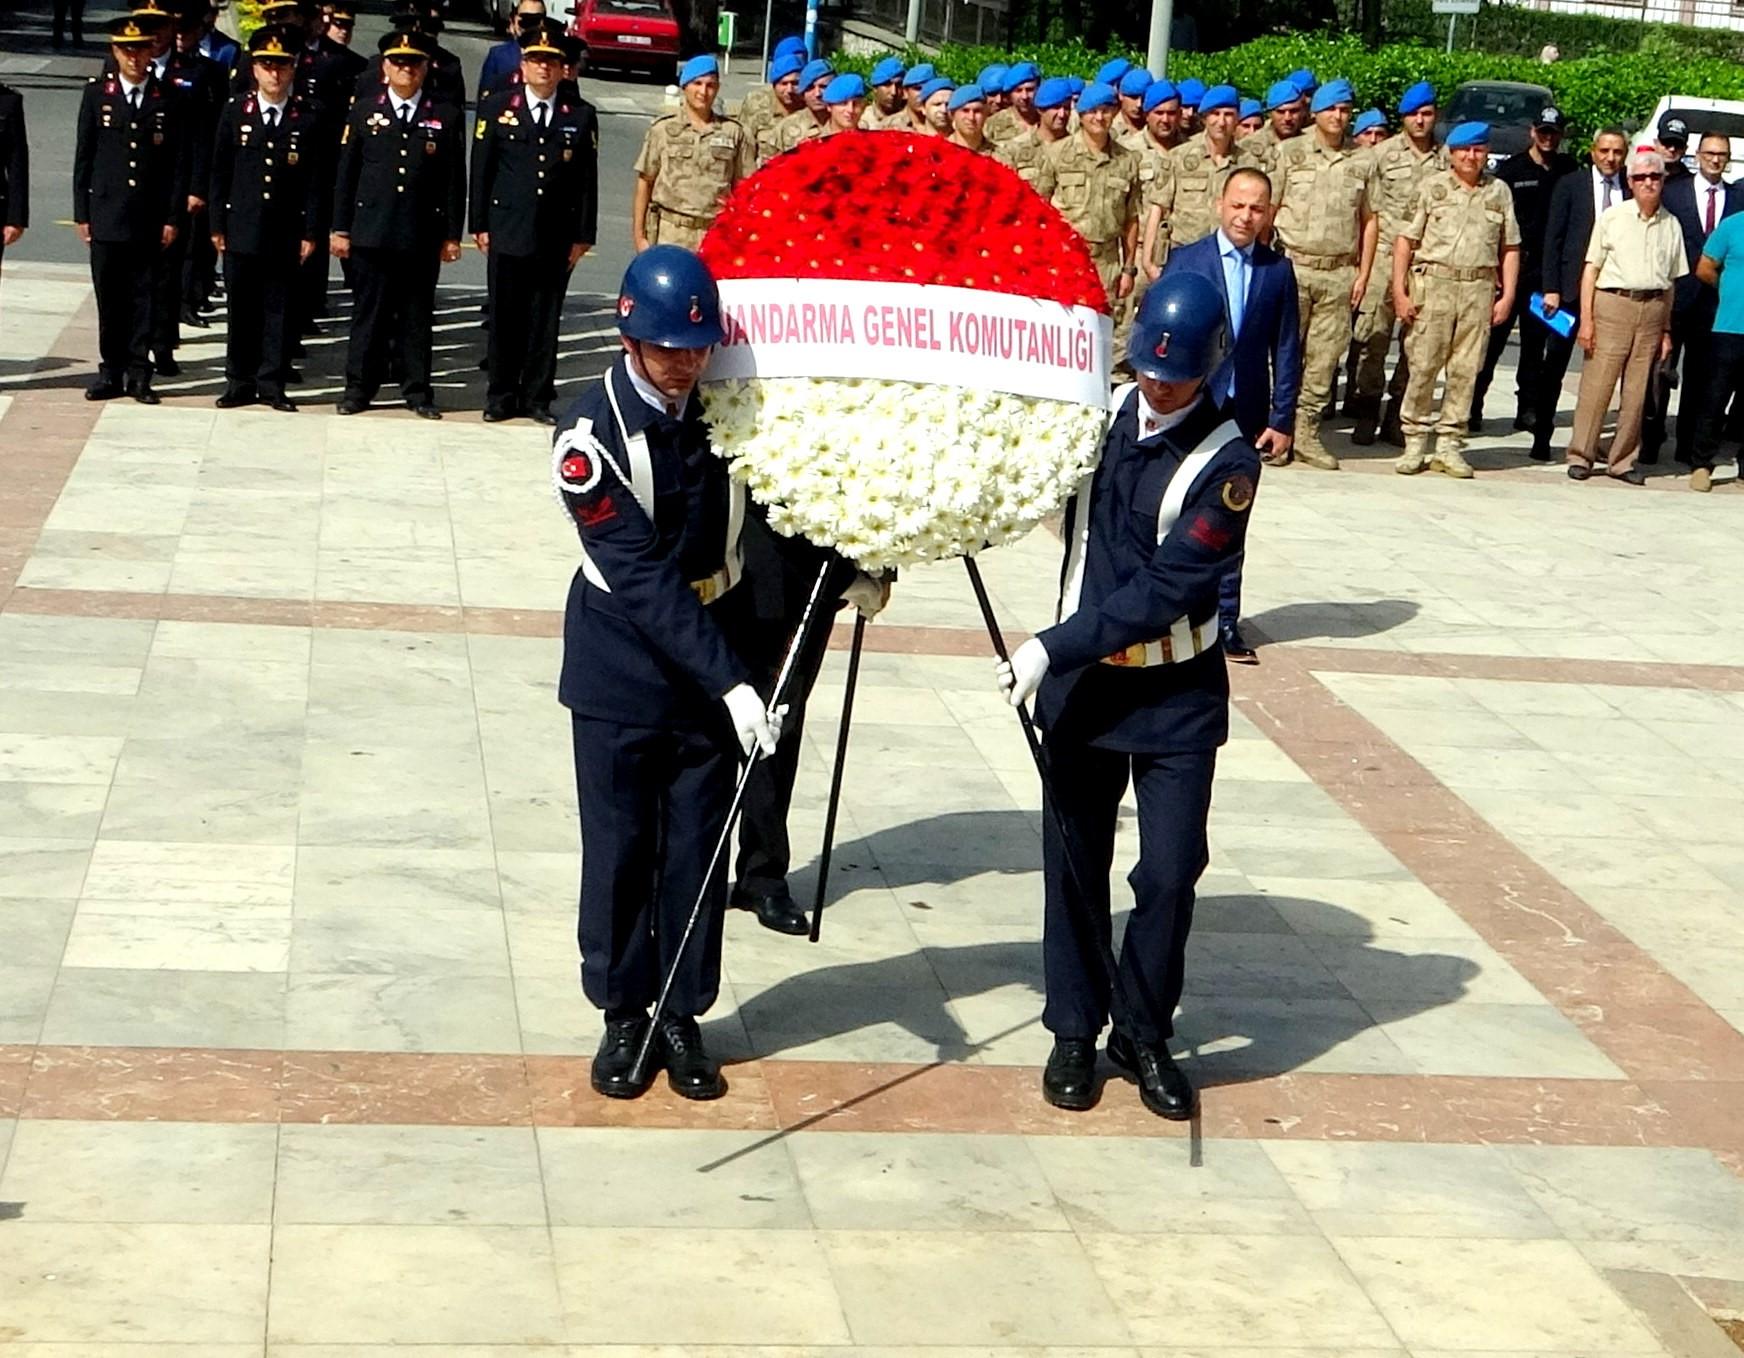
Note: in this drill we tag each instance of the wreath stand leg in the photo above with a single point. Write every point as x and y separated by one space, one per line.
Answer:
835 802
1121 1003
795 646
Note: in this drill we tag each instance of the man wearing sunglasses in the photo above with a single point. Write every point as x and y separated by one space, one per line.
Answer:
502 64
1634 259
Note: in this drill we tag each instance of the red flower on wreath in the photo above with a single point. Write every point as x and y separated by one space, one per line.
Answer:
895 207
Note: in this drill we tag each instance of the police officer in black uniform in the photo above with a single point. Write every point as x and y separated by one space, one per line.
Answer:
130 189
14 169
535 212
398 211
660 705
1131 685
268 177
447 79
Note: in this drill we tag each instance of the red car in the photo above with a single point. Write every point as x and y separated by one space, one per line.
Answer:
640 33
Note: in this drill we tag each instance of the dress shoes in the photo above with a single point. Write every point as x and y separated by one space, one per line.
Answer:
142 392
1540 453
614 1063
425 410
193 318
541 414
1235 646
1523 423
1162 1086
497 414
104 389
1069 1078
351 403
779 912
280 402
236 396
168 367
689 1070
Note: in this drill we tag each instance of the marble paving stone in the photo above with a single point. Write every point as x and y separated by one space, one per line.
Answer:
409 1176
1407 1190
1633 1193
865 1181
1509 1295
738 1287
422 1012
194 940
414 1285
1498 1040
24 995
1363 909
1408 972
916 1289
42 867
212 814
132 1008
390 941
1721 1259
1147 1186
1248 1036
58 759
1236 1289
361 879
87 1282
688 1179
65 1171
250 874
33 930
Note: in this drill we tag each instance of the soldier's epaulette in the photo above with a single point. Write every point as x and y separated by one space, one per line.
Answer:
663 118
515 101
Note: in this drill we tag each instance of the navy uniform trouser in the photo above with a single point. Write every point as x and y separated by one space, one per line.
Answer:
393 296
653 804
1174 800
122 272
259 289
526 296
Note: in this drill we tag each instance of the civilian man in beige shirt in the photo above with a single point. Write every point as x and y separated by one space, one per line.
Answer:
1635 256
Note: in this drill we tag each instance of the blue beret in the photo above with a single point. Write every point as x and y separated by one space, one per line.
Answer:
933 86
919 74
1077 83
887 70
1135 82
1370 118
1303 80
844 88
784 66
789 47
1282 92
992 77
1160 92
1249 108
814 71
1331 94
1469 134
966 94
1219 96
1420 95
1023 73
1192 91
1096 95
1110 72
697 67
1053 92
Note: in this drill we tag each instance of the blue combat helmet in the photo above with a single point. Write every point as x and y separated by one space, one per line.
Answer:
668 297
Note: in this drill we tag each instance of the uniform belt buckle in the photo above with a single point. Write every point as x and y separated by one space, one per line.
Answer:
706 591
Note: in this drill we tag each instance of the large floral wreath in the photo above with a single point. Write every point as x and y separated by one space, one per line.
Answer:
916 363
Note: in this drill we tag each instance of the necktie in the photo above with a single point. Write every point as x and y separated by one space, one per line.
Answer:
1608 190
133 99
1708 222
405 115
272 118
539 115
1237 279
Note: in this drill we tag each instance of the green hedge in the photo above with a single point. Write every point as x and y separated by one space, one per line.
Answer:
1593 91
1516 30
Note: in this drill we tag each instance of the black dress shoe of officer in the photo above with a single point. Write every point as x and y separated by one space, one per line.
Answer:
104 389
280 402
236 396
1069 1079
425 410
541 414
142 393
497 414
168 367
352 404
1162 1087
614 1062
689 1070
1235 646
779 912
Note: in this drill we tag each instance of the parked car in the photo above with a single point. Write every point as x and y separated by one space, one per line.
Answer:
1510 107
638 33
1702 116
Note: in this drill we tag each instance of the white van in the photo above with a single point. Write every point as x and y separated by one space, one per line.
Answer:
1702 116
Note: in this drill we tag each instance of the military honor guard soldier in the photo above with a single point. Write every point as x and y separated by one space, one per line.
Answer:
1131 687
661 706
398 205
14 169
688 164
269 177
535 213
130 186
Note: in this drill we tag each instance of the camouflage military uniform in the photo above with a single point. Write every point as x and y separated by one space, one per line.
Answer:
1006 124
1399 168
1098 193
1320 197
787 133
985 149
758 104
1022 153
1188 194
874 121
1460 235
1261 148
693 170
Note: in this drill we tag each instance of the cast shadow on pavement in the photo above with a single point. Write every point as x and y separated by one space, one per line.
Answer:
1343 620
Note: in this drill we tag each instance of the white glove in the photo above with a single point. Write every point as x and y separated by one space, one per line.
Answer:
869 594
757 727
1022 675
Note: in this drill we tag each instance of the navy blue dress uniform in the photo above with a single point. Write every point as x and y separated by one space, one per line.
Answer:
130 186
650 679
201 83
535 198
447 79
399 198
268 182
1133 688
14 163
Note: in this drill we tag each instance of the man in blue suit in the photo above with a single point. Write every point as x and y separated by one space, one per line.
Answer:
502 64
1258 382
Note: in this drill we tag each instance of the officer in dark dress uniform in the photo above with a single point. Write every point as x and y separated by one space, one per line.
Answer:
14 169
656 694
398 210
211 82
268 175
1131 686
130 189
447 79
535 212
